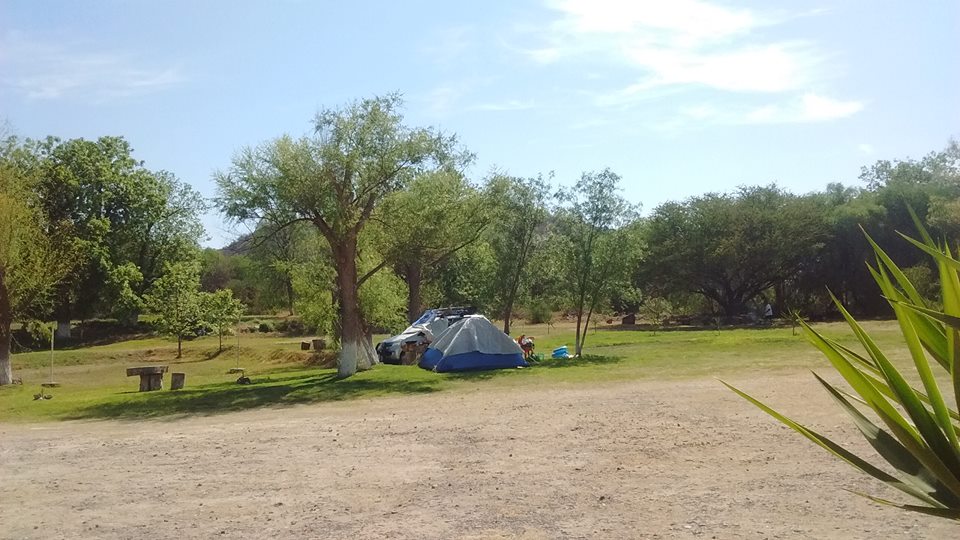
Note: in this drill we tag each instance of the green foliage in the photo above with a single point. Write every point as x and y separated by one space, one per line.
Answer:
220 310
39 331
657 309
926 283
315 301
383 301
424 225
335 180
265 327
731 248
122 280
292 327
467 279
176 301
516 234
35 254
598 230
118 214
918 435
540 312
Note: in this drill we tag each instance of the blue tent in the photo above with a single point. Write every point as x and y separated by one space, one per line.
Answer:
472 344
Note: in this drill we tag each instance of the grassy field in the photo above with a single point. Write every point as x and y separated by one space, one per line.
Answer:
94 383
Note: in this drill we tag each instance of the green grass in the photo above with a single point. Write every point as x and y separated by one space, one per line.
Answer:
95 386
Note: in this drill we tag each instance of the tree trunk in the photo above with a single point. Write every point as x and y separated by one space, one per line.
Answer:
355 353
6 321
512 294
507 315
221 341
577 345
6 370
414 278
288 283
179 345
63 329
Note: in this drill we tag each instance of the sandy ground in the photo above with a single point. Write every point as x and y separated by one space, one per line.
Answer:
655 459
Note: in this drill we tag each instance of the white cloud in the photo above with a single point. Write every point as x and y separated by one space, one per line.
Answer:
688 20
680 43
809 108
546 55
52 71
775 67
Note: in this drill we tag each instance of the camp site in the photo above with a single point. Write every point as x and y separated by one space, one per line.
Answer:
544 269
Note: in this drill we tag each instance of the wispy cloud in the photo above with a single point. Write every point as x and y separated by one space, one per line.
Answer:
809 108
692 45
682 42
45 71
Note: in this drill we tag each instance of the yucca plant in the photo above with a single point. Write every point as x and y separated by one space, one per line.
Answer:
917 432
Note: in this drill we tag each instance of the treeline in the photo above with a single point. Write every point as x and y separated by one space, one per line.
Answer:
359 225
87 231
512 246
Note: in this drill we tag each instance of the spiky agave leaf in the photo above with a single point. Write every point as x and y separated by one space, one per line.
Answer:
921 439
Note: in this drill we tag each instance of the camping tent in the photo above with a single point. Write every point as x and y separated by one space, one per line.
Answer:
471 344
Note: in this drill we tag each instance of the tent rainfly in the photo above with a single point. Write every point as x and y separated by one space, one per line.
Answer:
472 344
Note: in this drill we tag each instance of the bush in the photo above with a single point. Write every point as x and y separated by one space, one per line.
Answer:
266 327
292 326
540 312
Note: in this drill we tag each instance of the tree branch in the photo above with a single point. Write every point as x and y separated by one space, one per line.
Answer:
370 274
263 239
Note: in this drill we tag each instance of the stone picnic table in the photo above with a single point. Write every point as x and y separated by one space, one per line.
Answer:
151 377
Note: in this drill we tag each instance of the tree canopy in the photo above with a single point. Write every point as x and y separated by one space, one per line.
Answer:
335 180
731 248
35 254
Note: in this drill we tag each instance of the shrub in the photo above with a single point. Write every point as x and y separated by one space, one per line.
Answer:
292 327
265 327
540 312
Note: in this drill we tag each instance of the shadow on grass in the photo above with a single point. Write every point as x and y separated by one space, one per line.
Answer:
585 360
266 391
548 363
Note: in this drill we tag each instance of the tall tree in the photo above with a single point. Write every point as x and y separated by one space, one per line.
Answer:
335 179
422 226
32 261
731 248
119 212
521 212
594 222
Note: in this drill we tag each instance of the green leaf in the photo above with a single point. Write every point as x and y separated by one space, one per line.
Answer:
949 513
894 453
837 450
924 437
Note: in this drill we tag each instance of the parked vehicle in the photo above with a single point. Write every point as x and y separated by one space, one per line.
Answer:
432 323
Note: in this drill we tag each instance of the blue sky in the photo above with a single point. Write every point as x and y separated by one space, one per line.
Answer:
679 98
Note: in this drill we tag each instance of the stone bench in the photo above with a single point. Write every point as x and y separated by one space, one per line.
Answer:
151 377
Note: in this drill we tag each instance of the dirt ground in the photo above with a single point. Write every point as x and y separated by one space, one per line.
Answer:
653 459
